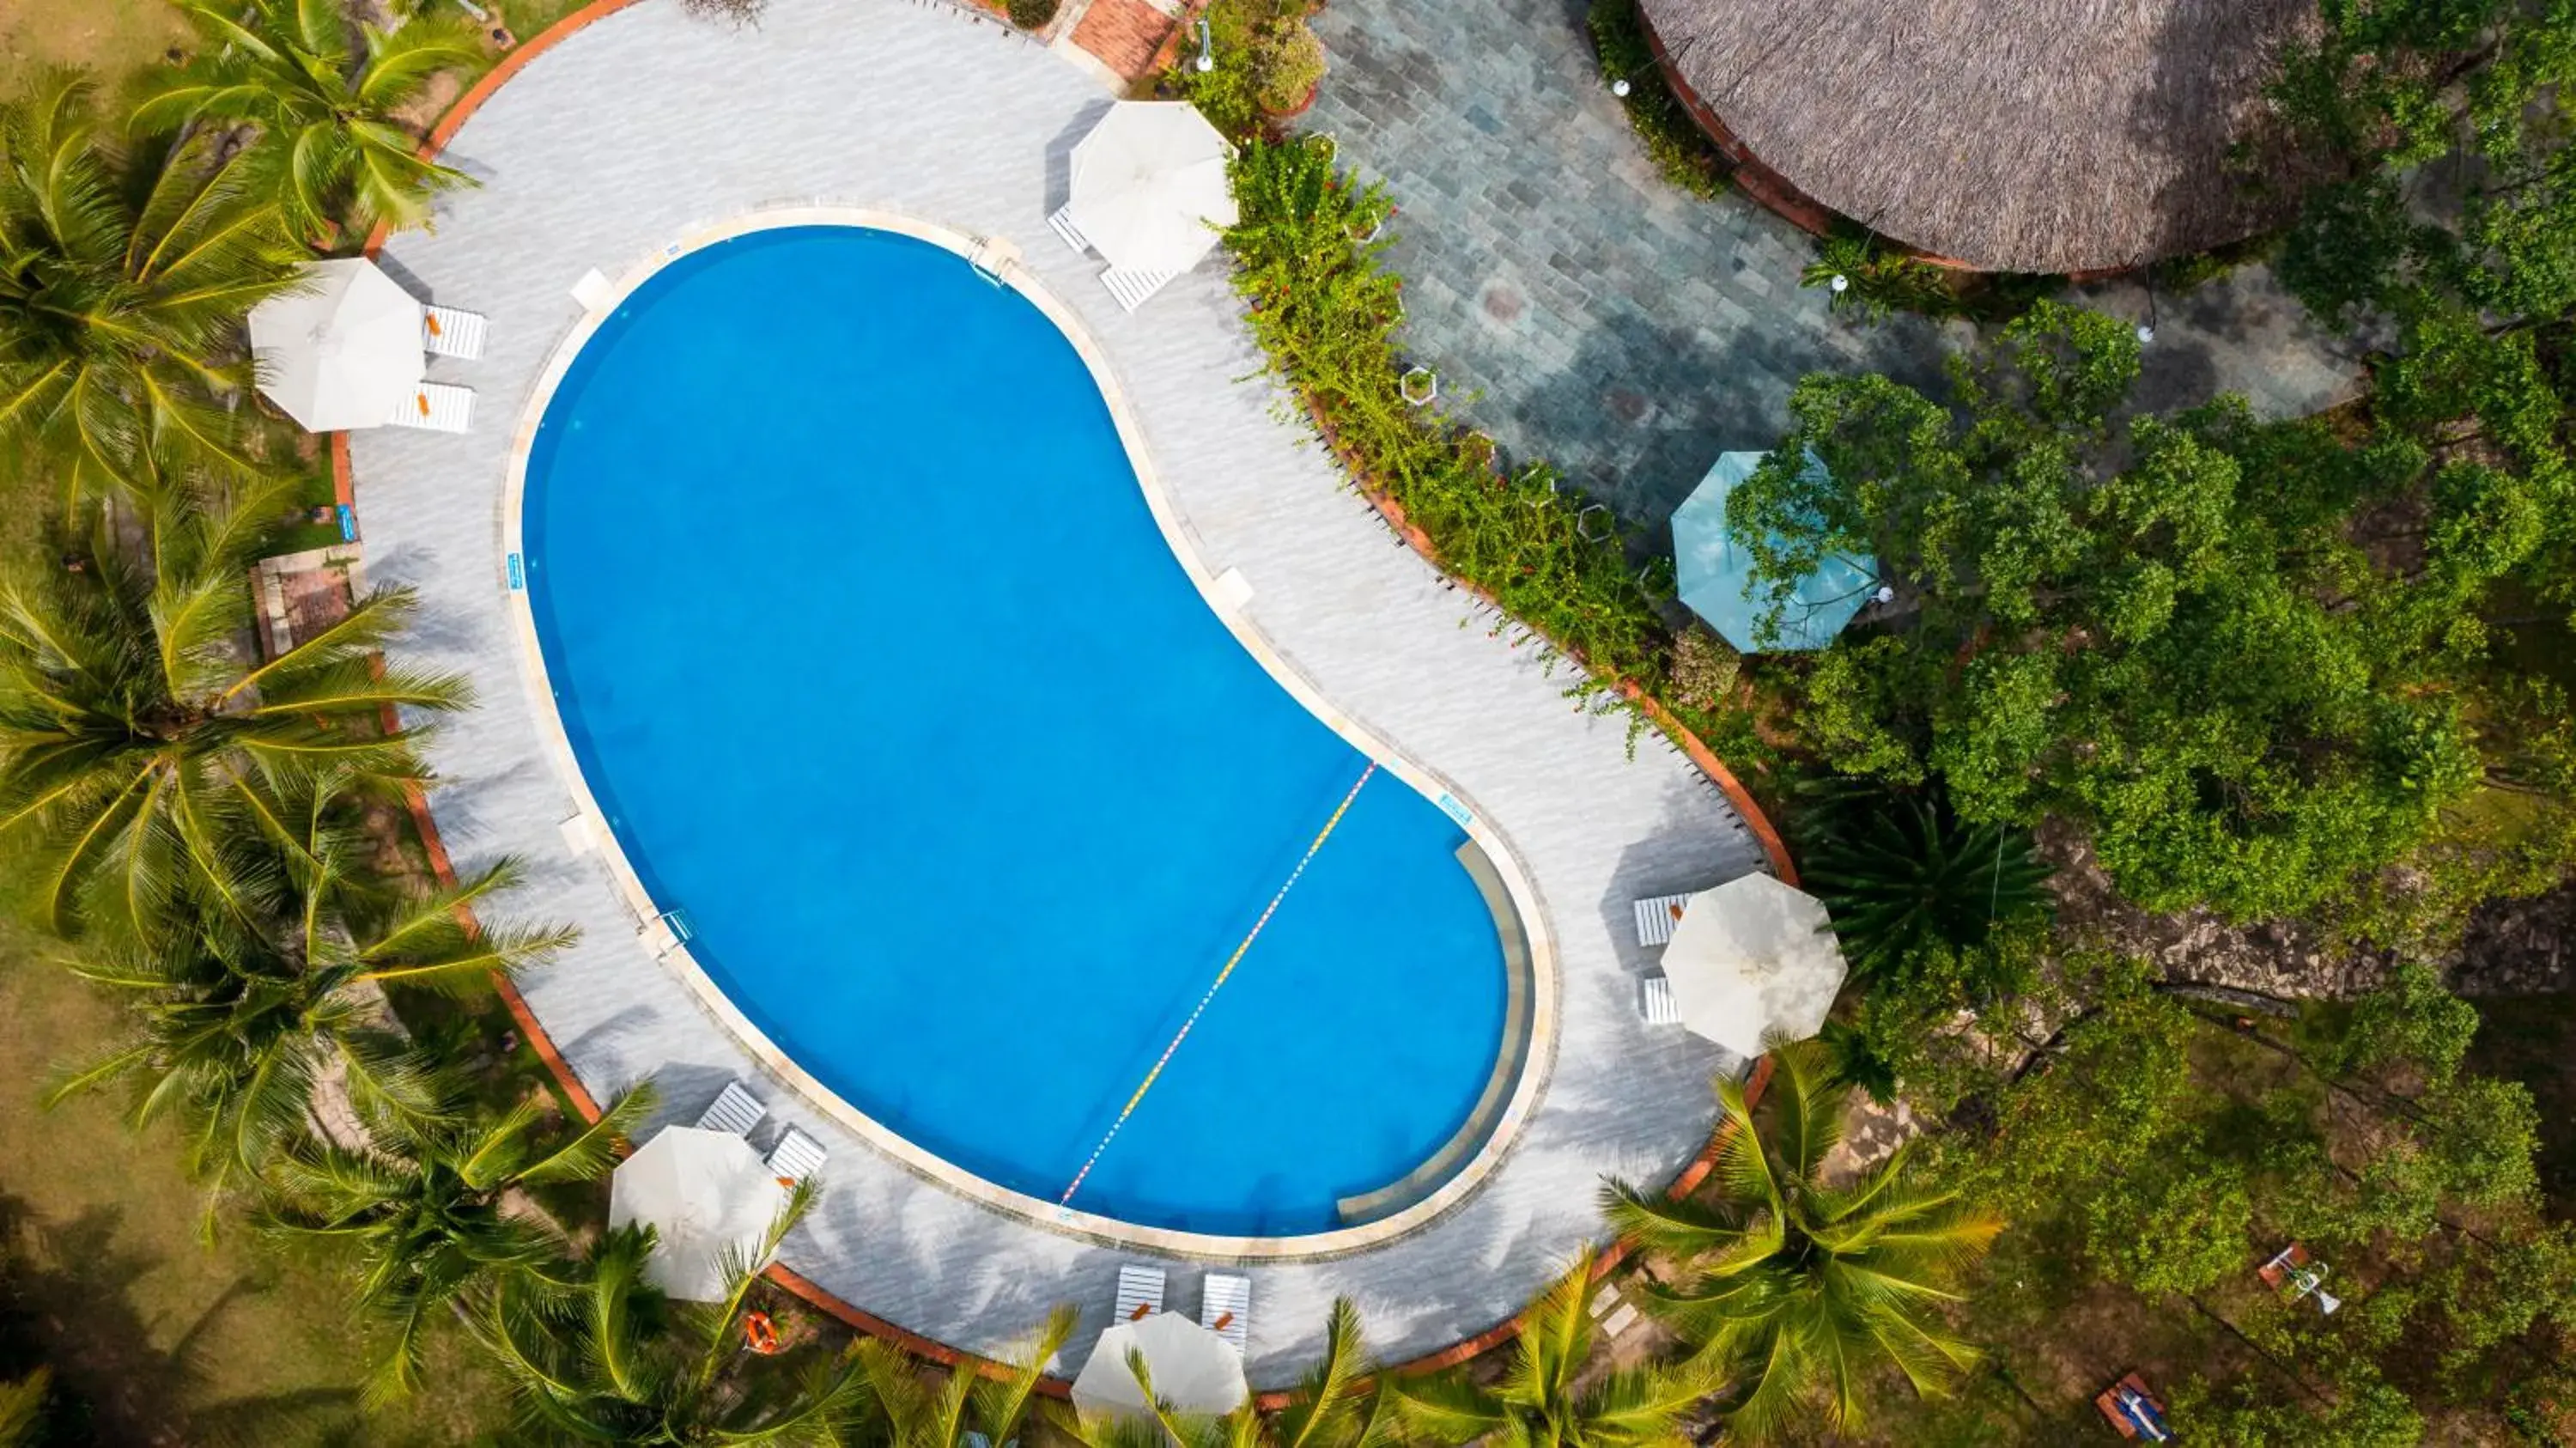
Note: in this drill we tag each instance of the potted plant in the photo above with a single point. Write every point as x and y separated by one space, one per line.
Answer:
1418 385
1290 67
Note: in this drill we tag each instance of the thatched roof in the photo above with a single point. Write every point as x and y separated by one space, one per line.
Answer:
2014 135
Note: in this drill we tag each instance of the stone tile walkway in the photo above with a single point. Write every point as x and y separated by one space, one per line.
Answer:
1617 327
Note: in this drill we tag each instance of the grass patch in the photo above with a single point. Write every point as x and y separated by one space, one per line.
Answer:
154 1335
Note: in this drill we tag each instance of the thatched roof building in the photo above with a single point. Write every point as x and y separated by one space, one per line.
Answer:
2012 135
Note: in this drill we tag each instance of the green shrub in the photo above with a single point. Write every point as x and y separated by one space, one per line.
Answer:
1325 312
1879 281
1032 14
1673 141
1289 65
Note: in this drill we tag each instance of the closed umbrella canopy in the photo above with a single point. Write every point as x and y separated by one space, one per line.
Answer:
343 350
1751 958
1149 184
1715 573
706 1195
1193 1369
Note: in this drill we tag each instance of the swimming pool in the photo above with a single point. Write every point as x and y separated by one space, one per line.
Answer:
871 652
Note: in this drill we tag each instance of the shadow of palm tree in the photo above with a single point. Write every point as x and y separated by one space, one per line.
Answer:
67 1301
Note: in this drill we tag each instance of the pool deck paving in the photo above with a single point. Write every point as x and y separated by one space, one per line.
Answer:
647 127
1586 312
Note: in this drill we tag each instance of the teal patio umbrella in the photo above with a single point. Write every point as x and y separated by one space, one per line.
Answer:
1715 573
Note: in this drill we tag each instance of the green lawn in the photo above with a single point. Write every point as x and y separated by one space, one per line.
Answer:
154 1335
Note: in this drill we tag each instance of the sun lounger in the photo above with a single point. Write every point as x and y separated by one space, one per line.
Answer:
1655 1001
1132 288
796 1157
436 407
1071 235
1225 1308
1657 917
447 332
1140 1292
2133 1411
735 1110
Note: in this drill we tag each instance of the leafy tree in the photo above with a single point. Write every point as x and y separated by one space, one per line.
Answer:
140 756
617 1362
2161 630
968 1404
1798 1287
1538 1403
427 1209
1903 874
22 1409
325 97
124 278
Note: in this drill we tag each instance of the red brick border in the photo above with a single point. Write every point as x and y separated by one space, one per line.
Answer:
344 484
1691 744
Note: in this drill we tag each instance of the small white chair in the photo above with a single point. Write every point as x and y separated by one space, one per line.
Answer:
1071 235
1140 1292
1225 1308
735 1110
447 332
436 407
1656 918
1133 288
796 1157
1655 1001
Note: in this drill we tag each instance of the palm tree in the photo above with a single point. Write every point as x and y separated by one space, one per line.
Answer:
616 1362
1902 872
124 279
1538 1403
236 1028
140 754
968 1403
1329 1409
429 1210
323 94
1799 1287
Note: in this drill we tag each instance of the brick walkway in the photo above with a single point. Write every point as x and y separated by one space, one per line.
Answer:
1617 327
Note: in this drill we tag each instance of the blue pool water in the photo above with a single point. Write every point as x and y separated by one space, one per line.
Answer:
869 648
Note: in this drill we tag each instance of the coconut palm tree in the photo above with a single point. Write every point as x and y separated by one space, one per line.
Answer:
235 1029
1539 1404
138 748
428 1208
124 278
1332 1407
323 93
1902 872
968 1404
1799 1287
617 1362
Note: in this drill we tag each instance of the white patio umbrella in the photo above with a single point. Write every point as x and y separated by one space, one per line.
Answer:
1751 958
1193 1369
706 1194
341 351
1148 183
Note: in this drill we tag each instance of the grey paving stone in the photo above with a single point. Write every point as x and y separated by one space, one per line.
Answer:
1457 101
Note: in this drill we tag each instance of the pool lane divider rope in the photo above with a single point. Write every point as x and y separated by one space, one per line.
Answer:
1218 984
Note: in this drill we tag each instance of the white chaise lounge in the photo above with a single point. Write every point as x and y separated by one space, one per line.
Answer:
796 1157
1657 917
735 1110
448 332
436 407
1655 1001
1140 1292
1225 1308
